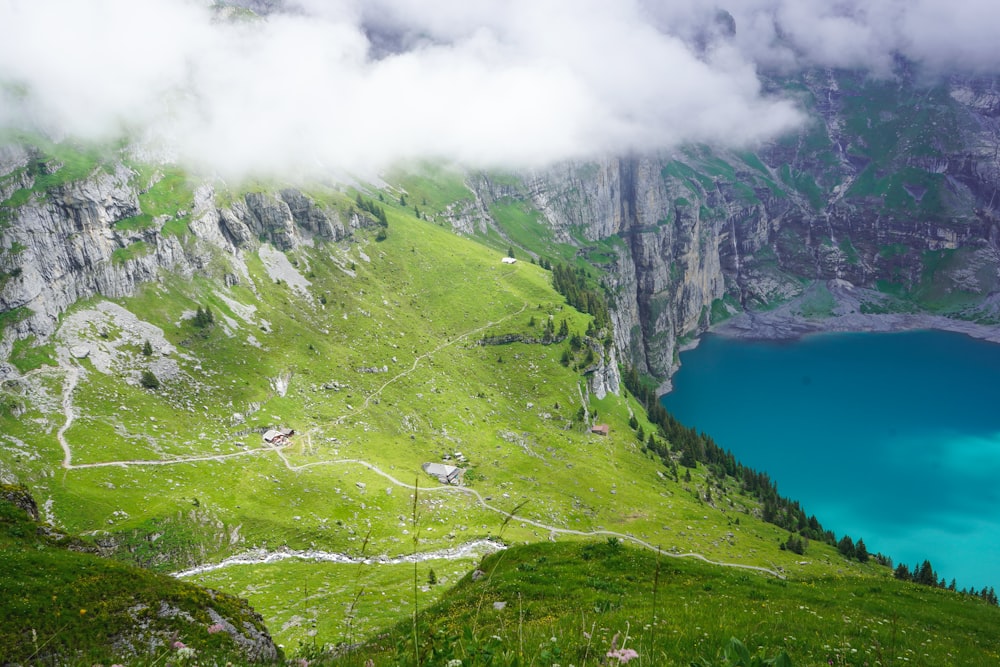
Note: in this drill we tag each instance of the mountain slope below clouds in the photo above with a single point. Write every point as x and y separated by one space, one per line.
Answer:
891 189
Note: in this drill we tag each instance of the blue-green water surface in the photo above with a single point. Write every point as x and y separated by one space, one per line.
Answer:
894 438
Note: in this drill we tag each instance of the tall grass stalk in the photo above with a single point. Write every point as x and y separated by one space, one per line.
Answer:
588 635
359 589
655 616
520 628
416 540
486 581
48 641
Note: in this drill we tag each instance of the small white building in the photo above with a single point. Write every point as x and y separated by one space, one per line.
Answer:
508 260
444 473
274 436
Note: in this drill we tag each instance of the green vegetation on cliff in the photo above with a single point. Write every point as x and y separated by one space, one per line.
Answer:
62 604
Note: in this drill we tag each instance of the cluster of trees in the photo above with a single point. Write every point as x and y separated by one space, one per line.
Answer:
925 575
795 543
859 551
549 334
204 318
376 211
579 353
575 285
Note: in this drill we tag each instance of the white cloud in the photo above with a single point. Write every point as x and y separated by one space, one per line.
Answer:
515 83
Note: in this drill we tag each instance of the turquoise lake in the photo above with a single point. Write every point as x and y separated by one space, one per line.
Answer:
894 438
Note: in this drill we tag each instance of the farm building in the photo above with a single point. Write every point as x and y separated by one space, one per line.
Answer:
276 436
444 473
601 429
508 260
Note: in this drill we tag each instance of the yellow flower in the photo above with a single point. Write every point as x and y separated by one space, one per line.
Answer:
82 612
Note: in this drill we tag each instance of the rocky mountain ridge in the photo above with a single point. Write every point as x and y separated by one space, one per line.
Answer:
892 187
86 237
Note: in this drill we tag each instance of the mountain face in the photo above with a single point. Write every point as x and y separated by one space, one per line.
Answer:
376 351
892 187
69 239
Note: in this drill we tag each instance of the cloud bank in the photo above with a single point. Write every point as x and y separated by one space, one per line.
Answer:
359 85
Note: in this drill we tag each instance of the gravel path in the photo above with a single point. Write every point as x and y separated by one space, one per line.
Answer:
72 377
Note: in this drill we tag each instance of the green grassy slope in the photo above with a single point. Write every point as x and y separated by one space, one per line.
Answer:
566 604
370 351
63 605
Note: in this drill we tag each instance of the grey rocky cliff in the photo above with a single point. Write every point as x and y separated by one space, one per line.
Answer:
61 248
14 174
603 378
892 184
64 245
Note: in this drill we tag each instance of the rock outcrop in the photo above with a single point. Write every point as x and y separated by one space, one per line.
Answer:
136 620
893 185
74 240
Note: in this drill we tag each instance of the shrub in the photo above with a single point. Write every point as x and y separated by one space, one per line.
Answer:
149 380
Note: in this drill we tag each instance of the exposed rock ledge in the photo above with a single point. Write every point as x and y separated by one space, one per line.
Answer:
783 326
787 322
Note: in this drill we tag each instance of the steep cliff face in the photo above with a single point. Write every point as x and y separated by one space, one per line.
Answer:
893 185
89 236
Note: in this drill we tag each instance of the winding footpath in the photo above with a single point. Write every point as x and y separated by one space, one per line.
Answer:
72 379
553 530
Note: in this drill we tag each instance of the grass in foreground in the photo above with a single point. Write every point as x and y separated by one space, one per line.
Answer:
64 606
587 602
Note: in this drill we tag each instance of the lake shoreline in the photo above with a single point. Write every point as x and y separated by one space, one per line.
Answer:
787 323
782 326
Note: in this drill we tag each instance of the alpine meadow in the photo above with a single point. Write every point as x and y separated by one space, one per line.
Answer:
336 333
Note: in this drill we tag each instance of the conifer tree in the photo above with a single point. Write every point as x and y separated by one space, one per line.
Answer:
149 381
846 546
860 551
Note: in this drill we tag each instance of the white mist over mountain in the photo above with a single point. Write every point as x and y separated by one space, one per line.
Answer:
357 86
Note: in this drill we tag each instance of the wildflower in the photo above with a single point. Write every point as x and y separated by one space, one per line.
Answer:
455 662
82 612
215 627
369 663
178 645
622 655
185 652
